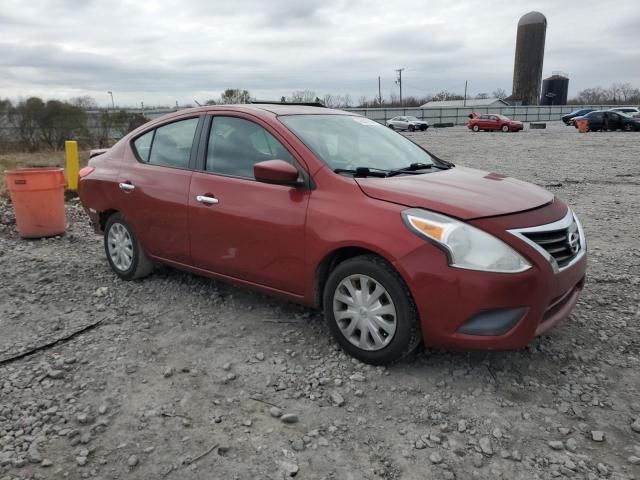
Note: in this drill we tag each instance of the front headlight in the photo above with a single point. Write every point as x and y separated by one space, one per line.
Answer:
466 246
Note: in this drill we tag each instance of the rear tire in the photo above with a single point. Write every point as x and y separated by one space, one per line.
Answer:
123 250
476 128
350 294
412 128
392 127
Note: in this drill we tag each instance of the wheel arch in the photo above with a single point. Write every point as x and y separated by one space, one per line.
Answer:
331 260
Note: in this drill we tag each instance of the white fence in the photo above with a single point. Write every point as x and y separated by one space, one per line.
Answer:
460 115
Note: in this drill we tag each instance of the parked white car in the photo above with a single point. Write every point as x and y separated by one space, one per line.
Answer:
631 111
407 123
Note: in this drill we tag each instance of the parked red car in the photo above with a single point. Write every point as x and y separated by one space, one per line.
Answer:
493 122
333 210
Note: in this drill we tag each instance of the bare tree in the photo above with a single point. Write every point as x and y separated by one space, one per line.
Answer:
303 96
482 96
500 93
86 102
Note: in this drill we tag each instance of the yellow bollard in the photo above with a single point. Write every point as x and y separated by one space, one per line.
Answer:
73 164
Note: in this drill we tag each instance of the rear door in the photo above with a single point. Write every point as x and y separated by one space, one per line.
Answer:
154 187
238 227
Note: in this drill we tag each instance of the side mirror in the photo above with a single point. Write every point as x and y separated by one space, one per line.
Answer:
277 172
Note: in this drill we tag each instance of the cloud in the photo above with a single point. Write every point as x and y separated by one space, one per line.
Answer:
163 51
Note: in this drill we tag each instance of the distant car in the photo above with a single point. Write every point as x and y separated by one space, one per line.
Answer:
631 111
569 118
407 123
492 122
608 120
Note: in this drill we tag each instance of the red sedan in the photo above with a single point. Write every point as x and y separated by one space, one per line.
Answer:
333 210
493 122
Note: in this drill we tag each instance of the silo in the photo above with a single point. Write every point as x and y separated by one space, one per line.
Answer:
555 89
527 70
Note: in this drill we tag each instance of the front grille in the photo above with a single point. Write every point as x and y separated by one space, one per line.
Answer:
563 244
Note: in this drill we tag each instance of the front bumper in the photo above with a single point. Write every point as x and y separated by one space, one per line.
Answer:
450 299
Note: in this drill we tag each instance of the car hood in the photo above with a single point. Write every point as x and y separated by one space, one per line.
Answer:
460 192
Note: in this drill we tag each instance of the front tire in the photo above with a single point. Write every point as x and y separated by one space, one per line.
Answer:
370 311
505 128
123 249
392 127
411 128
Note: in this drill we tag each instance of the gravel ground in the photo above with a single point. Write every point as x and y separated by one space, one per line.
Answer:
186 378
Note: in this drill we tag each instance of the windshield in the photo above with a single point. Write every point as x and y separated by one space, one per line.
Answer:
349 142
413 119
502 117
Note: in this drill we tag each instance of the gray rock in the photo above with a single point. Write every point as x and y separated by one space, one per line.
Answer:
556 444
357 377
571 444
597 436
81 461
419 444
485 445
435 458
289 418
33 454
168 372
633 460
46 463
275 412
635 426
337 399
462 426
477 460
260 356
291 469
132 461
55 374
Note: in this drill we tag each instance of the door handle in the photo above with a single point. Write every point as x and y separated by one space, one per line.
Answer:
127 187
206 199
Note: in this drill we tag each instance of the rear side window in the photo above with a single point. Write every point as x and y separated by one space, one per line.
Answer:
236 145
172 144
143 145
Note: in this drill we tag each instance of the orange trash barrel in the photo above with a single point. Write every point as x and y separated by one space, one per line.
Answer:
37 195
583 125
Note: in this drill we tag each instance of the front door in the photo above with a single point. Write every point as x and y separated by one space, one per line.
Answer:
154 189
241 228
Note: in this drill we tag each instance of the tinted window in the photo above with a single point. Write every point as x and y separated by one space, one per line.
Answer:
236 145
143 145
172 144
484 117
595 116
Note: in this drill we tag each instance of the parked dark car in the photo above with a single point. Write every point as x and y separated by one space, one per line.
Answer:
333 210
610 120
569 118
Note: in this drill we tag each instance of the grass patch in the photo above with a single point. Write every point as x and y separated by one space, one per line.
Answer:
10 161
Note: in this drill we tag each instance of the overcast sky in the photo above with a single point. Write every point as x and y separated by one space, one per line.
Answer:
161 52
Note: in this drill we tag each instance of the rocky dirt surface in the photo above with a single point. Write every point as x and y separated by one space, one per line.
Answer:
186 378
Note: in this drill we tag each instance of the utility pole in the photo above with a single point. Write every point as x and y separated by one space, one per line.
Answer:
379 92
399 82
464 103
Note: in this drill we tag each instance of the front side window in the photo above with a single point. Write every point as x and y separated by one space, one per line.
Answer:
236 145
172 144
143 145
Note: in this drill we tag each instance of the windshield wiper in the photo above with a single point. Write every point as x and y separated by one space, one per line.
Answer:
413 168
363 172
